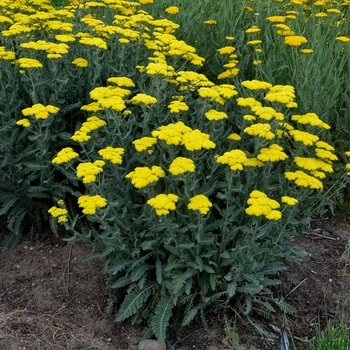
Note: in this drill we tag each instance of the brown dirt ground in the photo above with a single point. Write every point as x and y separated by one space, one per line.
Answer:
51 299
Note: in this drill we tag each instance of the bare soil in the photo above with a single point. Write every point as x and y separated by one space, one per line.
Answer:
51 299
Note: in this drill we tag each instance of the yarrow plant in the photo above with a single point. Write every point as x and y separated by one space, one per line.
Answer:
191 185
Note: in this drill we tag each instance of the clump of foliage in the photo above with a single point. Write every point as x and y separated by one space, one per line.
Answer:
190 180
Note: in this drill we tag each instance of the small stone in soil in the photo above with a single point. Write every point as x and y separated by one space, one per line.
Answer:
149 344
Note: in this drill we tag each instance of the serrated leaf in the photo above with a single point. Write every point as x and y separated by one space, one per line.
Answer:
134 301
191 314
121 282
160 319
139 272
159 273
213 282
231 289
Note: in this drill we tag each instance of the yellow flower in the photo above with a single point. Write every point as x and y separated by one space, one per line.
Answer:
144 143
172 10
143 99
311 119
97 42
90 204
343 39
234 159
80 62
211 22
302 136
254 42
272 154
163 203
226 50
61 213
80 136
40 111
196 140
172 133
247 102
253 30
65 155
201 203
289 200
88 171
234 137
267 113
121 81
24 122
253 162
215 115
143 176
302 179
295 40
261 205
256 84
145 2
306 51
261 130
313 164
114 155
177 106
29 63
276 19
181 165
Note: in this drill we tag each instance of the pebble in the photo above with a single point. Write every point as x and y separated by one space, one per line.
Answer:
149 344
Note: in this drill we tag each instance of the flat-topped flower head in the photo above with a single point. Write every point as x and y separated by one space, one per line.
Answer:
40 111
235 159
90 204
181 165
143 176
113 154
261 205
65 155
201 203
163 203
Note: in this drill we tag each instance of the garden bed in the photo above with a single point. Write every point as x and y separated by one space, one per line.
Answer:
51 299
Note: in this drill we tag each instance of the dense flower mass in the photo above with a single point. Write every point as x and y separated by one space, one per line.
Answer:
90 204
181 165
143 176
88 171
261 205
235 159
65 155
163 203
40 111
201 203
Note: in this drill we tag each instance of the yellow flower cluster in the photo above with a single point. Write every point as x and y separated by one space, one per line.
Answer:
177 106
295 40
262 130
256 84
90 204
215 115
201 203
24 122
114 155
143 176
261 205
6 55
65 155
304 180
163 203
80 62
88 171
144 143
272 154
235 159
53 50
289 200
284 94
40 111
91 124
218 93
60 213
28 63
310 119
172 10
181 165
143 99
